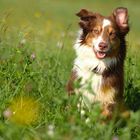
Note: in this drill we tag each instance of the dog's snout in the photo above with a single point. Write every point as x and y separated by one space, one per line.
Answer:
103 45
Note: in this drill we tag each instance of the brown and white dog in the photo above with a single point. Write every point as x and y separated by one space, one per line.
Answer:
101 50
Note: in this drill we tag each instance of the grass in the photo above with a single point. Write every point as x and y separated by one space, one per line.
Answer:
36 57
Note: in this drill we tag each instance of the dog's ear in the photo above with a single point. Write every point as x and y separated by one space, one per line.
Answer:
85 17
121 17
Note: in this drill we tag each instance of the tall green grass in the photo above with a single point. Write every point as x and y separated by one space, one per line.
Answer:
36 56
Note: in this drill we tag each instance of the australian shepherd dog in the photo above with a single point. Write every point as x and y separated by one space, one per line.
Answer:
100 53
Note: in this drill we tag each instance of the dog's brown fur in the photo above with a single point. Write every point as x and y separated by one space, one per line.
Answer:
112 77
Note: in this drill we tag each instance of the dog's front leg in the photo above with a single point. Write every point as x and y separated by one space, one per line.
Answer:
70 84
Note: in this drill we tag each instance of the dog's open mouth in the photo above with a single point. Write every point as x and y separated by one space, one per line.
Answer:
100 54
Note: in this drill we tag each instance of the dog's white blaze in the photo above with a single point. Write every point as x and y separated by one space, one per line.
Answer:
106 22
96 42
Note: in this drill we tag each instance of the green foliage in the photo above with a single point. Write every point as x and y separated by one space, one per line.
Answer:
132 88
36 57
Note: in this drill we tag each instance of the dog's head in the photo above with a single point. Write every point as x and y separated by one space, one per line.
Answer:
104 33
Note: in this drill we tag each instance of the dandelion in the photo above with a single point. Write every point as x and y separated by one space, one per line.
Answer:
23 110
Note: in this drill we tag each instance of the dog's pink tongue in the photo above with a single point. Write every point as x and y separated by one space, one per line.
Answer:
100 55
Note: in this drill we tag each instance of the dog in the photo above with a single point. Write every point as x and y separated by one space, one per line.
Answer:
100 53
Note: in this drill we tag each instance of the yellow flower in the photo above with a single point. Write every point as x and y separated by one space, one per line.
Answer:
25 110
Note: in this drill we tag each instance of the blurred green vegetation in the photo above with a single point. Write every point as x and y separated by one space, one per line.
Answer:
61 13
36 56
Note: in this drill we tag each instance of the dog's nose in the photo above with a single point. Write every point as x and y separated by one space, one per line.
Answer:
103 45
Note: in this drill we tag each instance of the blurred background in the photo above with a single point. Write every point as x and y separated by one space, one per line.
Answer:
36 57
53 17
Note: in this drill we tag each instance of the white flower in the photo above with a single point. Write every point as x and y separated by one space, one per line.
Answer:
87 120
33 56
82 112
7 113
50 131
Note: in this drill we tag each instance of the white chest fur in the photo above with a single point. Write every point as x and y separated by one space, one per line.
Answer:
85 62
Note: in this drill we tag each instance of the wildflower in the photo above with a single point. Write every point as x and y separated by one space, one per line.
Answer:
115 138
87 121
33 56
23 110
7 113
82 112
50 130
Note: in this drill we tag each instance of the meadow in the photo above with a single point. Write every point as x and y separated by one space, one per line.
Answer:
36 57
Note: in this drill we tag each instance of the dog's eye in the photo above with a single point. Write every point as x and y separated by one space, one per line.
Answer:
96 31
112 34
